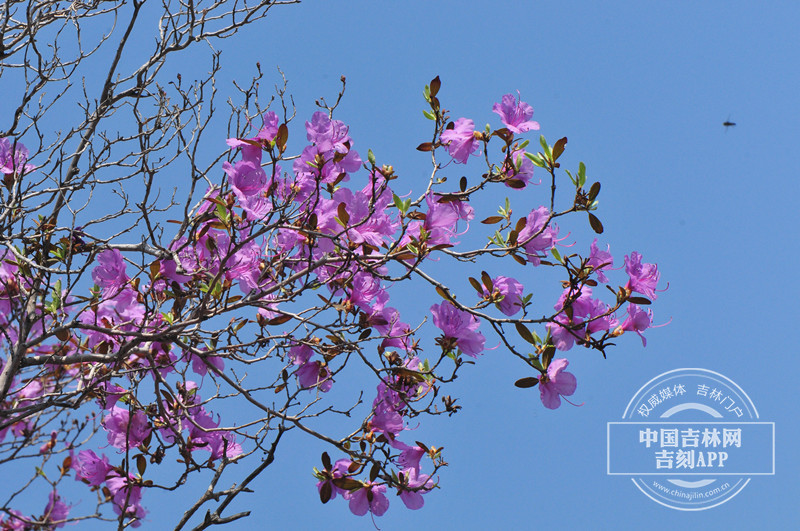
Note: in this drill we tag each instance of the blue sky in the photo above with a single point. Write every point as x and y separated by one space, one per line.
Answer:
641 92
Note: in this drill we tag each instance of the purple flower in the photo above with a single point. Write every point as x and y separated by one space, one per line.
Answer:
600 260
90 468
328 134
522 169
340 470
14 159
556 383
314 374
637 321
56 511
643 277
564 331
110 274
127 496
200 364
460 140
386 321
370 498
511 291
204 435
108 394
409 455
246 177
386 420
515 114
251 147
459 327
538 237
412 479
300 354
120 434
16 521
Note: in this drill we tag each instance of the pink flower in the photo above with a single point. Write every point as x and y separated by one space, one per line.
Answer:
460 327
14 158
643 277
515 114
90 468
412 479
124 433
600 260
251 147
460 140
314 375
56 511
511 291
637 321
340 470
539 235
370 498
127 497
110 275
556 383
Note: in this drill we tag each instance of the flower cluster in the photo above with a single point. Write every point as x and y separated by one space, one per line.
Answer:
259 243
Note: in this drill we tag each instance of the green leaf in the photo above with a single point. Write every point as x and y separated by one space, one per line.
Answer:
536 159
525 334
398 202
547 151
429 115
556 255
371 157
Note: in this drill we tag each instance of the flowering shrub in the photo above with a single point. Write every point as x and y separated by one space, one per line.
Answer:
167 311
249 251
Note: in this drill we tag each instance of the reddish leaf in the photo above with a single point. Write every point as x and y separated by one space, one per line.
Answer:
344 217
595 223
325 492
282 137
528 381
436 84
558 148
524 333
593 191
279 320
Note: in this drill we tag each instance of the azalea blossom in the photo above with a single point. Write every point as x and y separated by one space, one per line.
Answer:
515 114
556 383
460 140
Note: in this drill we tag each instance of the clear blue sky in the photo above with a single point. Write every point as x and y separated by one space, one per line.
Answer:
641 91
